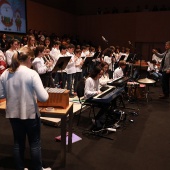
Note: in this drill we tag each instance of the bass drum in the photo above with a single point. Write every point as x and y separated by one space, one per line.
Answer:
141 91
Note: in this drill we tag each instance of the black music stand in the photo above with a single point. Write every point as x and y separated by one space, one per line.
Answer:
87 61
62 63
122 57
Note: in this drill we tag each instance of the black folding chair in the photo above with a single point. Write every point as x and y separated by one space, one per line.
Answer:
85 104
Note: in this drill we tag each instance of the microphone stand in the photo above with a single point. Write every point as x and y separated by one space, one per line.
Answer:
133 60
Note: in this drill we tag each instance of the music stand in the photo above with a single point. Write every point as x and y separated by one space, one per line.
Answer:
62 63
87 61
122 57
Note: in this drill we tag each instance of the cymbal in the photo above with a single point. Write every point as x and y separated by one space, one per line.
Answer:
146 81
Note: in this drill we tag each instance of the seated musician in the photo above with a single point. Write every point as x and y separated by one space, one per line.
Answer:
92 88
105 77
119 72
153 70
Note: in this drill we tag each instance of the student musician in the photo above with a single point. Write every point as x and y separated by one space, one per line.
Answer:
70 68
92 88
13 45
119 72
31 42
49 59
105 77
61 75
78 64
41 66
108 53
153 70
92 85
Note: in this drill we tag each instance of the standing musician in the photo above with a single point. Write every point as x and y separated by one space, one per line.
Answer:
78 64
21 86
40 65
108 52
31 43
48 59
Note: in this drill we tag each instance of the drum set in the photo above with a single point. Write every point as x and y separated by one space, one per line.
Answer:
140 89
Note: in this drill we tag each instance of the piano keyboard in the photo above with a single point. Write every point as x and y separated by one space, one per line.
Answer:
108 95
119 82
111 88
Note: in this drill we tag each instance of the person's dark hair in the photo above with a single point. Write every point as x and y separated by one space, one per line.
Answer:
63 47
39 48
122 63
19 57
11 42
77 51
96 70
103 64
71 46
153 61
107 52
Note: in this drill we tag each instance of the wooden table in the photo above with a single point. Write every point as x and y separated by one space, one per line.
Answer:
58 113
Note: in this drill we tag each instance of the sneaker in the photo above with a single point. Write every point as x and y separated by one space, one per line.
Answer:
46 168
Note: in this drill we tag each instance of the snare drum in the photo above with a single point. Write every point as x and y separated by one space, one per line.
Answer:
132 88
141 91
132 84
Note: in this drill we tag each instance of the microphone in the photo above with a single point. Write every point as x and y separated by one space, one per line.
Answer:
129 42
104 39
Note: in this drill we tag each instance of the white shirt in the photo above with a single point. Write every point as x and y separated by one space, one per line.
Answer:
158 60
21 90
54 53
9 54
91 88
152 67
108 60
39 65
104 80
77 64
70 68
118 73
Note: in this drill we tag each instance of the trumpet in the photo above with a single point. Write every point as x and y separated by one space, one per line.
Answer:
48 61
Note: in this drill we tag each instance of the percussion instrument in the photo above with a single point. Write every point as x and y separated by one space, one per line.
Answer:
132 84
146 81
57 98
136 90
119 82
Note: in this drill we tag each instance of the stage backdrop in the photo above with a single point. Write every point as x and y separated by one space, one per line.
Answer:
13 16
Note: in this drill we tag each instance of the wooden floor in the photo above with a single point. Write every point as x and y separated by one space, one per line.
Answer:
143 144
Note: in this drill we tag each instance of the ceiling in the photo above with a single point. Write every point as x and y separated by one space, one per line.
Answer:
90 7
